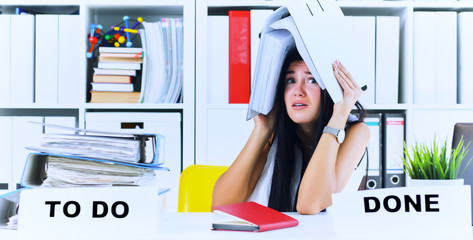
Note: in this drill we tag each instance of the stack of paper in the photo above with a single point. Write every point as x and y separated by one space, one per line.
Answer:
67 160
162 77
117 149
112 146
276 45
69 172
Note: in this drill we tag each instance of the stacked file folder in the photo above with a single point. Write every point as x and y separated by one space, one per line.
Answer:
87 158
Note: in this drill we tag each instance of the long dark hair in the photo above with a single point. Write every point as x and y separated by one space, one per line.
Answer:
288 139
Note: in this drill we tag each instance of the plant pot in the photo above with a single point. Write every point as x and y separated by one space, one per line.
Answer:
434 182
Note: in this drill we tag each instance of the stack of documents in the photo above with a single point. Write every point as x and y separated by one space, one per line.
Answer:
162 76
62 171
113 148
275 46
108 159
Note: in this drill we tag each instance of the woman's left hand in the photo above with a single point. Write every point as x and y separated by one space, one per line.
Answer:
351 90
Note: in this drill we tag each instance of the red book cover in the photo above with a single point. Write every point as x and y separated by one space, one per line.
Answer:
258 217
239 57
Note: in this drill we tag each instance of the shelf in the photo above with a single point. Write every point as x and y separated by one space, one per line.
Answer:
227 106
243 3
173 106
386 106
38 106
442 5
442 107
90 2
374 4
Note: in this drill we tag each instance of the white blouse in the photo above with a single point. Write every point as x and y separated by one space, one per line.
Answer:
262 189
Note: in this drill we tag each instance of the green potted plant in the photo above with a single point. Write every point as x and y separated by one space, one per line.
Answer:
431 165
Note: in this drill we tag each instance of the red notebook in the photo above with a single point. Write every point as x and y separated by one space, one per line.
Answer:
253 217
239 84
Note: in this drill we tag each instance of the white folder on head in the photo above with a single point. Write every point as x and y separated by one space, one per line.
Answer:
322 34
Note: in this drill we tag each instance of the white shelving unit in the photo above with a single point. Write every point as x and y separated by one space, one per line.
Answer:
420 119
108 13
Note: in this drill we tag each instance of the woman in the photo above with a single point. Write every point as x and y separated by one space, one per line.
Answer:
289 161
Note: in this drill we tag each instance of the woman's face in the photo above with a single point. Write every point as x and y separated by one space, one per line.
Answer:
301 94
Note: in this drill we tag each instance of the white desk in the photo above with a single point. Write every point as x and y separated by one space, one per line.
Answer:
197 226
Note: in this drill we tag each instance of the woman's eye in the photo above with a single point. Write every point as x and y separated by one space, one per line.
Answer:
312 80
290 80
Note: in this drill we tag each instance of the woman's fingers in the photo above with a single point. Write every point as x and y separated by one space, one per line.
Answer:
343 69
349 86
346 76
340 78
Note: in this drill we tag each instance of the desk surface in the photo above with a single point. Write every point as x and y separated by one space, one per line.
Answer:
197 226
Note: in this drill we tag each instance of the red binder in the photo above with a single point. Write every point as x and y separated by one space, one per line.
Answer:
239 57
253 217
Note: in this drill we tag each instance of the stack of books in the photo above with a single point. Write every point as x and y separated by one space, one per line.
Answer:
113 80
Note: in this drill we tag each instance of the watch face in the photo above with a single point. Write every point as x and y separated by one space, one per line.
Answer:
341 136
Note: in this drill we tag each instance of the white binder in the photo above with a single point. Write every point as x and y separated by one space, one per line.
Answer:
387 59
446 58
22 58
217 59
6 135
465 57
5 46
321 35
374 179
435 57
69 70
424 57
46 58
393 173
24 134
364 32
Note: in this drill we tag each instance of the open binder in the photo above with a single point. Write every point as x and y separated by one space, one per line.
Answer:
139 149
9 209
321 34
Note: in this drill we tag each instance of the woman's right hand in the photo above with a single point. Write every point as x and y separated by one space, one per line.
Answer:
266 123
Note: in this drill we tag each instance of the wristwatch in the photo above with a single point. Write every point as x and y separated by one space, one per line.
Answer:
338 133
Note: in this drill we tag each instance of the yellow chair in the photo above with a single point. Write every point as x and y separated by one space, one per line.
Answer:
196 186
